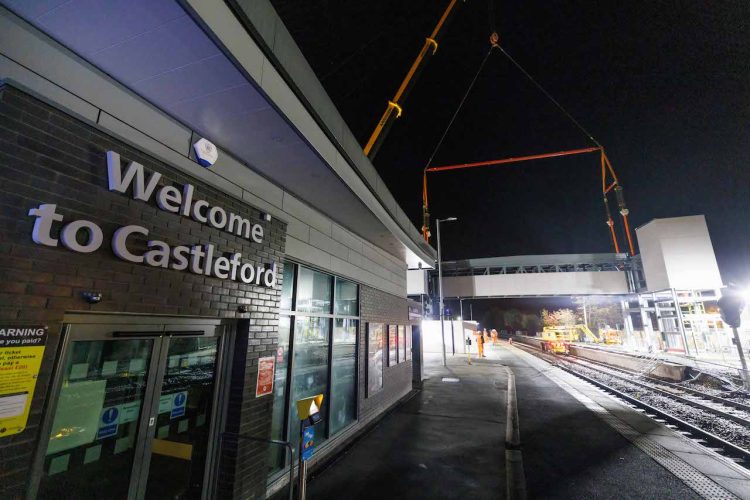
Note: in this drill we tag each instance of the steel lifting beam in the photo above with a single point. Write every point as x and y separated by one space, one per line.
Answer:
607 170
394 108
517 159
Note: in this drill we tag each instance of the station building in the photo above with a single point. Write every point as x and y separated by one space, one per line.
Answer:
158 318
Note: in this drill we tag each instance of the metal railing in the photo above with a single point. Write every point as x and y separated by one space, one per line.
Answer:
276 442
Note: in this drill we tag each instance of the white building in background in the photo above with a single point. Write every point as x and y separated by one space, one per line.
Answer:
677 253
678 284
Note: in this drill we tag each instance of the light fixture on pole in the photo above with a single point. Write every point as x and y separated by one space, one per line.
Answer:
440 284
731 305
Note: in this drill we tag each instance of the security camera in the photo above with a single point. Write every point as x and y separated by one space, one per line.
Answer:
205 152
92 297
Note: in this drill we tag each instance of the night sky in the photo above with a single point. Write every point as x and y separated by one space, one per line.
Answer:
663 85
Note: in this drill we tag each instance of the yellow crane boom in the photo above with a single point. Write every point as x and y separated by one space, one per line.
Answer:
394 108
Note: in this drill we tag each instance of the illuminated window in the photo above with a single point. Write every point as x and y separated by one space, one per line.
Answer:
375 353
392 345
318 332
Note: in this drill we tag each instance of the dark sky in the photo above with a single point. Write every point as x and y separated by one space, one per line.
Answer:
663 85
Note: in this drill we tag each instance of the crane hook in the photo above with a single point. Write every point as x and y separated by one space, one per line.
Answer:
495 39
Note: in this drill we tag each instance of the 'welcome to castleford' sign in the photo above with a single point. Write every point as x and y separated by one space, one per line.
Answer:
200 258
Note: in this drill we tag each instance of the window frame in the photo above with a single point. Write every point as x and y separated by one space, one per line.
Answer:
401 334
384 331
331 316
395 346
409 341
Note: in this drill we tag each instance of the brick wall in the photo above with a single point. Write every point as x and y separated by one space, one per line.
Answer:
380 307
47 156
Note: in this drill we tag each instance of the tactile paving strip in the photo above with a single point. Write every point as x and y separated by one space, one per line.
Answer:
697 481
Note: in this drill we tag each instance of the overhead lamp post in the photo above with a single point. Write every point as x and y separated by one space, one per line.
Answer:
440 284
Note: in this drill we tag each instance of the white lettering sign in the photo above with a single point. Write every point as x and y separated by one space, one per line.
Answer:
85 236
171 199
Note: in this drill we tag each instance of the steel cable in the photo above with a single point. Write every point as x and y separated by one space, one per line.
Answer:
458 110
549 96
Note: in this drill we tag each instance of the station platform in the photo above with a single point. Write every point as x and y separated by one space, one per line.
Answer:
448 442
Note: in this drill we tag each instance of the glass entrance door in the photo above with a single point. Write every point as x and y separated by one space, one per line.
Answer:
131 413
91 448
180 445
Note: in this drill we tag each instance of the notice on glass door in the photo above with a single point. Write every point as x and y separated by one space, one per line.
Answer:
21 351
265 376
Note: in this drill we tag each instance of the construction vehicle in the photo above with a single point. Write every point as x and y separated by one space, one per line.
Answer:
557 339
610 336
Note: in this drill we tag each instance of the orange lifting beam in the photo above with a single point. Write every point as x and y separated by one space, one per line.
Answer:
394 109
517 159
607 169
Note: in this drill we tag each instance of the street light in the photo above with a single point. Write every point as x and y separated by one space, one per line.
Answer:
440 284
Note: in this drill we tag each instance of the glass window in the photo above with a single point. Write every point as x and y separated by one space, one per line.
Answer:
103 381
280 394
314 291
346 298
344 374
375 352
310 370
392 345
323 348
287 288
401 343
408 342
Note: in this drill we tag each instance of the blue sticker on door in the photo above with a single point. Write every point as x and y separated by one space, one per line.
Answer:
108 422
179 401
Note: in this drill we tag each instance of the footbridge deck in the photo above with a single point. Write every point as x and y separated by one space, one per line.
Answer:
535 275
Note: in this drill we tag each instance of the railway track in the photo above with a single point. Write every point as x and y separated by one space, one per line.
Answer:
738 413
678 389
706 423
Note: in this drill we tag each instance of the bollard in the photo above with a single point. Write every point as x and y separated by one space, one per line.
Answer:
301 470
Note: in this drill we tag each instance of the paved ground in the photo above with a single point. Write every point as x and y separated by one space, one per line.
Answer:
448 442
568 452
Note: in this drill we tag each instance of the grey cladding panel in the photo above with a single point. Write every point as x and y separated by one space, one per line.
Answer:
320 240
55 64
34 84
303 212
347 238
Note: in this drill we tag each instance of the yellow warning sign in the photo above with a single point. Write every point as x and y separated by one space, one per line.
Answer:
21 352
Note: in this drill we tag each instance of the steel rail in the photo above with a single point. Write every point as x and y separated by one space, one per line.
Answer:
689 402
695 392
728 447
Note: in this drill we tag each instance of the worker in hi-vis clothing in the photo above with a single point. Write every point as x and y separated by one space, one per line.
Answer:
480 344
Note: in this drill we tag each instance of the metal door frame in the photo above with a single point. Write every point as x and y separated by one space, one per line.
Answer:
417 360
160 329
